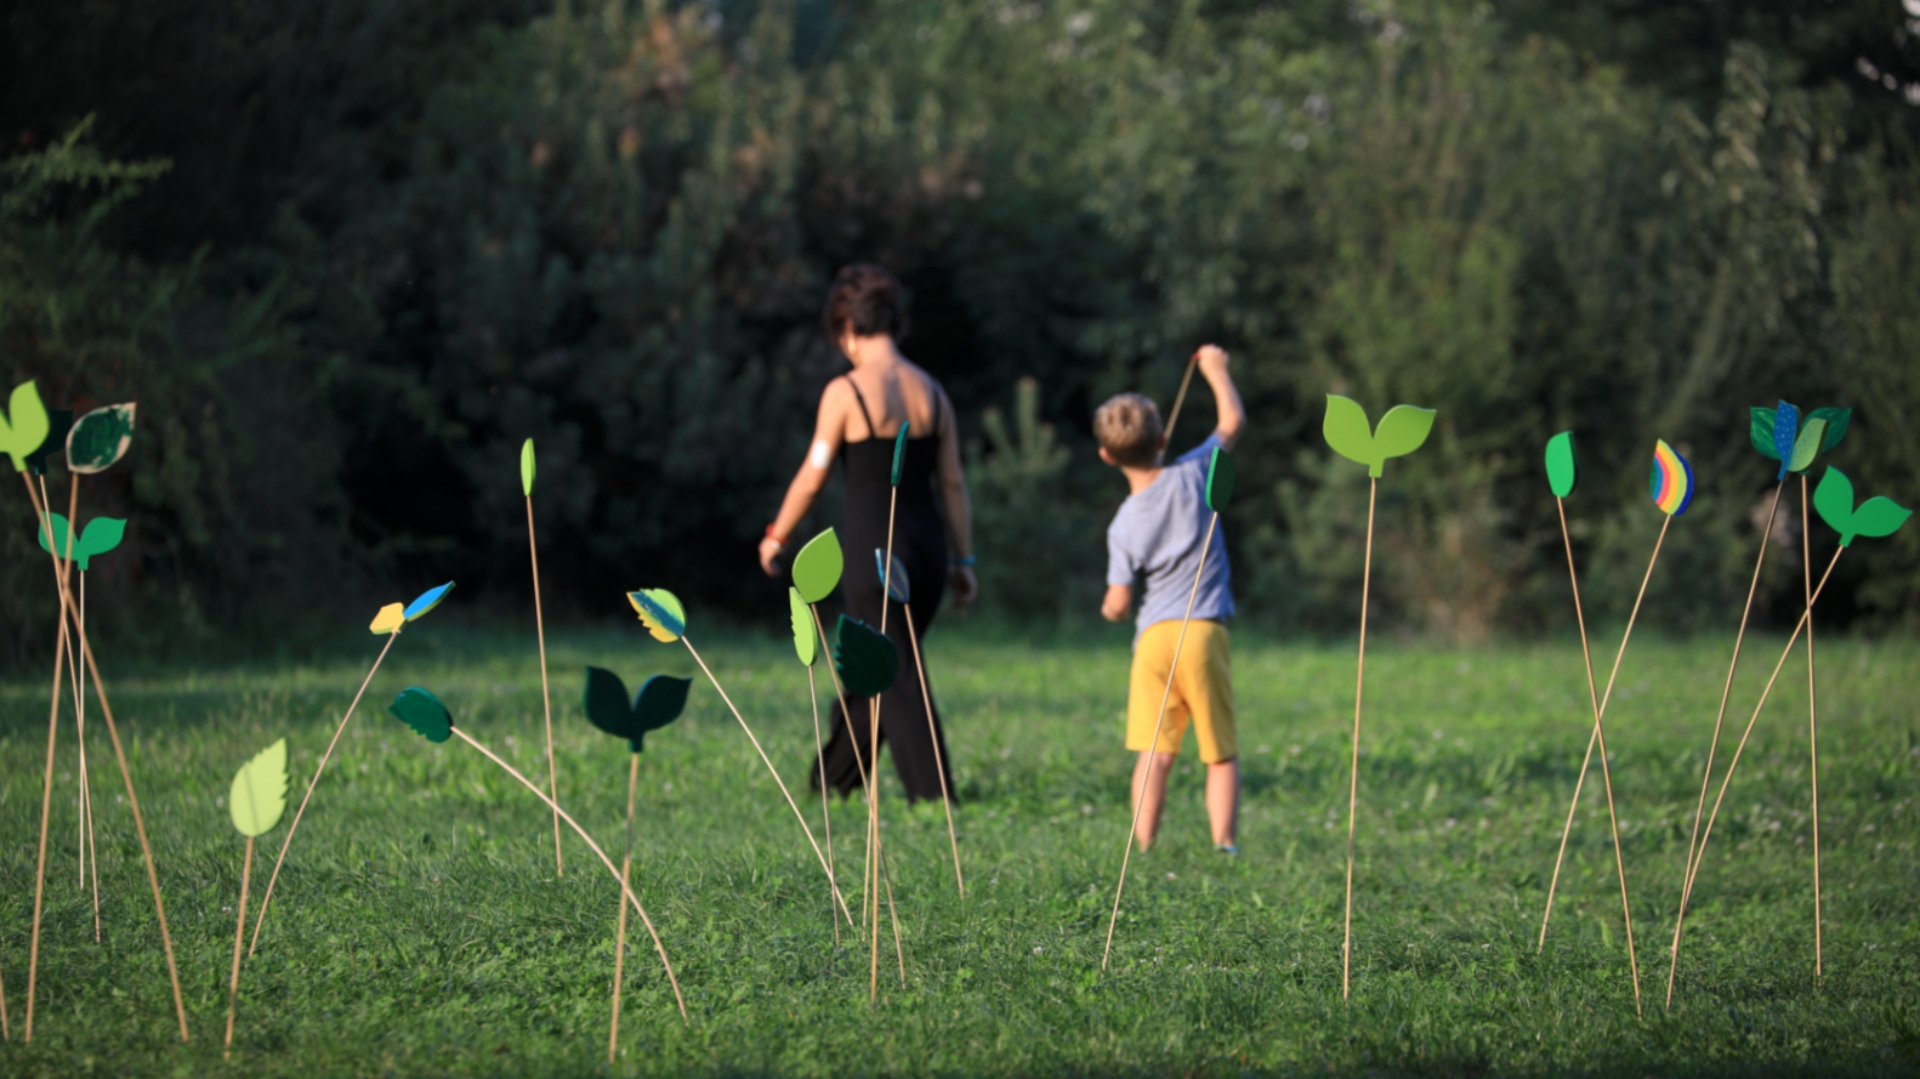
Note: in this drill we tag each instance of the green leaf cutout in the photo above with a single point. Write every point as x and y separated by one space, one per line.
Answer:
1879 517
26 425
101 535
99 439
659 702
1220 477
1760 430
1561 473
1837 421
865 659
1807 444
899 452
59 422
817 568
806 644
259 794
526 467
1833 500
660 611
1402 430
424 712
1347 430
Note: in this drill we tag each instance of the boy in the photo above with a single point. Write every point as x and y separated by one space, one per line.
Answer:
1158 534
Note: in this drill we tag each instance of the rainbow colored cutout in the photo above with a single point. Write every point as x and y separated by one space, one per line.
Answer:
1671 481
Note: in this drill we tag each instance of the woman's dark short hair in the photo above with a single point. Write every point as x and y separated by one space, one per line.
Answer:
867 300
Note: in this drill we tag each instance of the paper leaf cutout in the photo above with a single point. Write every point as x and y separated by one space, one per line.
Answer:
1671 481
806 644
526 467
1807 445
900 452
26 425
59 422
99 439
1561 473
1761 432
1837 421
897 586
865 659
58 523
661 612
427 601
1220 477
659 702
102 534
1879 517
390 618
424 712
1402 430
1347 430
817 568
1786 428
1876 517
259 793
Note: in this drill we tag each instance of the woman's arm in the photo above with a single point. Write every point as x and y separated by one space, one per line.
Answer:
958 504
829 430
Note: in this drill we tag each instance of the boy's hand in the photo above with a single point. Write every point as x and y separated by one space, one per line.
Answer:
1213 361
1119 599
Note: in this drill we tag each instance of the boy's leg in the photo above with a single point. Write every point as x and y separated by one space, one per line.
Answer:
1152 660
1150 787
1223 802
1206 683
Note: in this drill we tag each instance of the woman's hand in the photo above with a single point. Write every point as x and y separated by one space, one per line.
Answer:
770 549
964 586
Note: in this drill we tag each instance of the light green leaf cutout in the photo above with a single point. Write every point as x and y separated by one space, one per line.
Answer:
1879 517
1561 473
1833 500
1761 431
1347 430
526 467
99 439
259 794
25 425
1808 444
817 568
806 644
1837 421
1402 430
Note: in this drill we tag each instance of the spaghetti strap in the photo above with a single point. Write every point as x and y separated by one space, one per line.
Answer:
864 414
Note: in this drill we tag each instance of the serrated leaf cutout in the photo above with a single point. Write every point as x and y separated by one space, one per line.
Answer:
424 712
806 644
259 793
660 611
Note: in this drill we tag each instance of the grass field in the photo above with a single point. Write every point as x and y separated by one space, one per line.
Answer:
419 928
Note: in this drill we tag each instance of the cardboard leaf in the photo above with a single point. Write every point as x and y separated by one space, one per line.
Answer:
660 611
1561 474
865 658
99 439
1761 432
390 618
26 425
259 793
806 644
1220 477
59 422
1807 445
1671 482
606 702
1786 428
659 702
526 467
1402 430
427 601
900 452
1837 421
1833 500
1879 517
424 712
897 586
103 534
1348 431
58 523
817 568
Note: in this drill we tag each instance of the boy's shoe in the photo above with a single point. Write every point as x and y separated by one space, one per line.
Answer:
1226 848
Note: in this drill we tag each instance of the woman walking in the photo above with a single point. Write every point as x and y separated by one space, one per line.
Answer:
860 416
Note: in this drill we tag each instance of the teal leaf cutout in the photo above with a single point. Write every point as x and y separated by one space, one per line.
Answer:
806 644
59 422
1833 500
1761 432
99 439
259 793
101 535
865 659
1220 477
424 712
659 702
1347 430
1807 444
526 468
899 452
26 425
899 589
1561 472
817 568
1837 421
427 601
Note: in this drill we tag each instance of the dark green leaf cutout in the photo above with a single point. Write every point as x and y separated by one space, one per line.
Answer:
1807 444
899 452
1561 473
99 439
660 701
817 568
806 643
424 712
1220 477
1761 432
24 428
865 659
1837 421
59 422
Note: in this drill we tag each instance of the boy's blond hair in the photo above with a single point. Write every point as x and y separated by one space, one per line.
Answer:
1128 428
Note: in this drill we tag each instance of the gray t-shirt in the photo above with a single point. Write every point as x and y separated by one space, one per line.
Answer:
1158 534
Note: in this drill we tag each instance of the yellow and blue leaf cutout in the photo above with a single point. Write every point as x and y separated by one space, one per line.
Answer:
1562 474
102 534
526 467
99 439
424 712
390 618
259 793
59 422
1220 477
1401 431
659 702
899 589
1874 519
427 601
806 644
25 427
817 568
660 611
900 451
1671 481
1812 433
865 658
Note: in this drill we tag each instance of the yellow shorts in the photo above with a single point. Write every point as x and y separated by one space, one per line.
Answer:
1202 690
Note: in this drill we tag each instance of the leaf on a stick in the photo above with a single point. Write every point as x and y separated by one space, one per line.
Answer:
900 452
1561 472
1760 430
660 611
1220 479
259 794
389 618
659 702
1786 428
1878 517
1402 430
427 601
805 644
1833 500
1837 421
1807 445
1348 430
865 658
59 422
100 438
817 568
424 712
25 426
526 467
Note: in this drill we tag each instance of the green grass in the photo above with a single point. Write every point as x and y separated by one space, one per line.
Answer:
419 928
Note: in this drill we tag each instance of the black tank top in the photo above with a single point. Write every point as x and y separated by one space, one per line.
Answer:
870 462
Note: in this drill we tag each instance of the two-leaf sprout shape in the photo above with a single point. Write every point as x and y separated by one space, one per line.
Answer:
259 793
1782 434
394 615
25 426
101 535
1875 518
659 702
1402 430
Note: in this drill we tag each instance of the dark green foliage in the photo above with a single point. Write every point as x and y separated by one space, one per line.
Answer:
658 703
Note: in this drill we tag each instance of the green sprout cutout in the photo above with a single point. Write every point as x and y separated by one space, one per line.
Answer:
424 712
1874 519
899 589
102 534
865 658
25 427
1402 430
899 452
99 439
526 467
1561 473
1220 477
660 611
59 422
659 702
817 568
259 793
805 644
1781 435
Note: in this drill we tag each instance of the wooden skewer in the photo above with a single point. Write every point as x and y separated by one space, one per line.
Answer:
46 813
85 826
239 938
1153 747
620 940
873 791
820 773
1593 696
939 764
1178 400
1353 783
1813 723
546 698
846 717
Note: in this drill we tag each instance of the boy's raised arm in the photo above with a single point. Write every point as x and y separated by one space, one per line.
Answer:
1226 397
